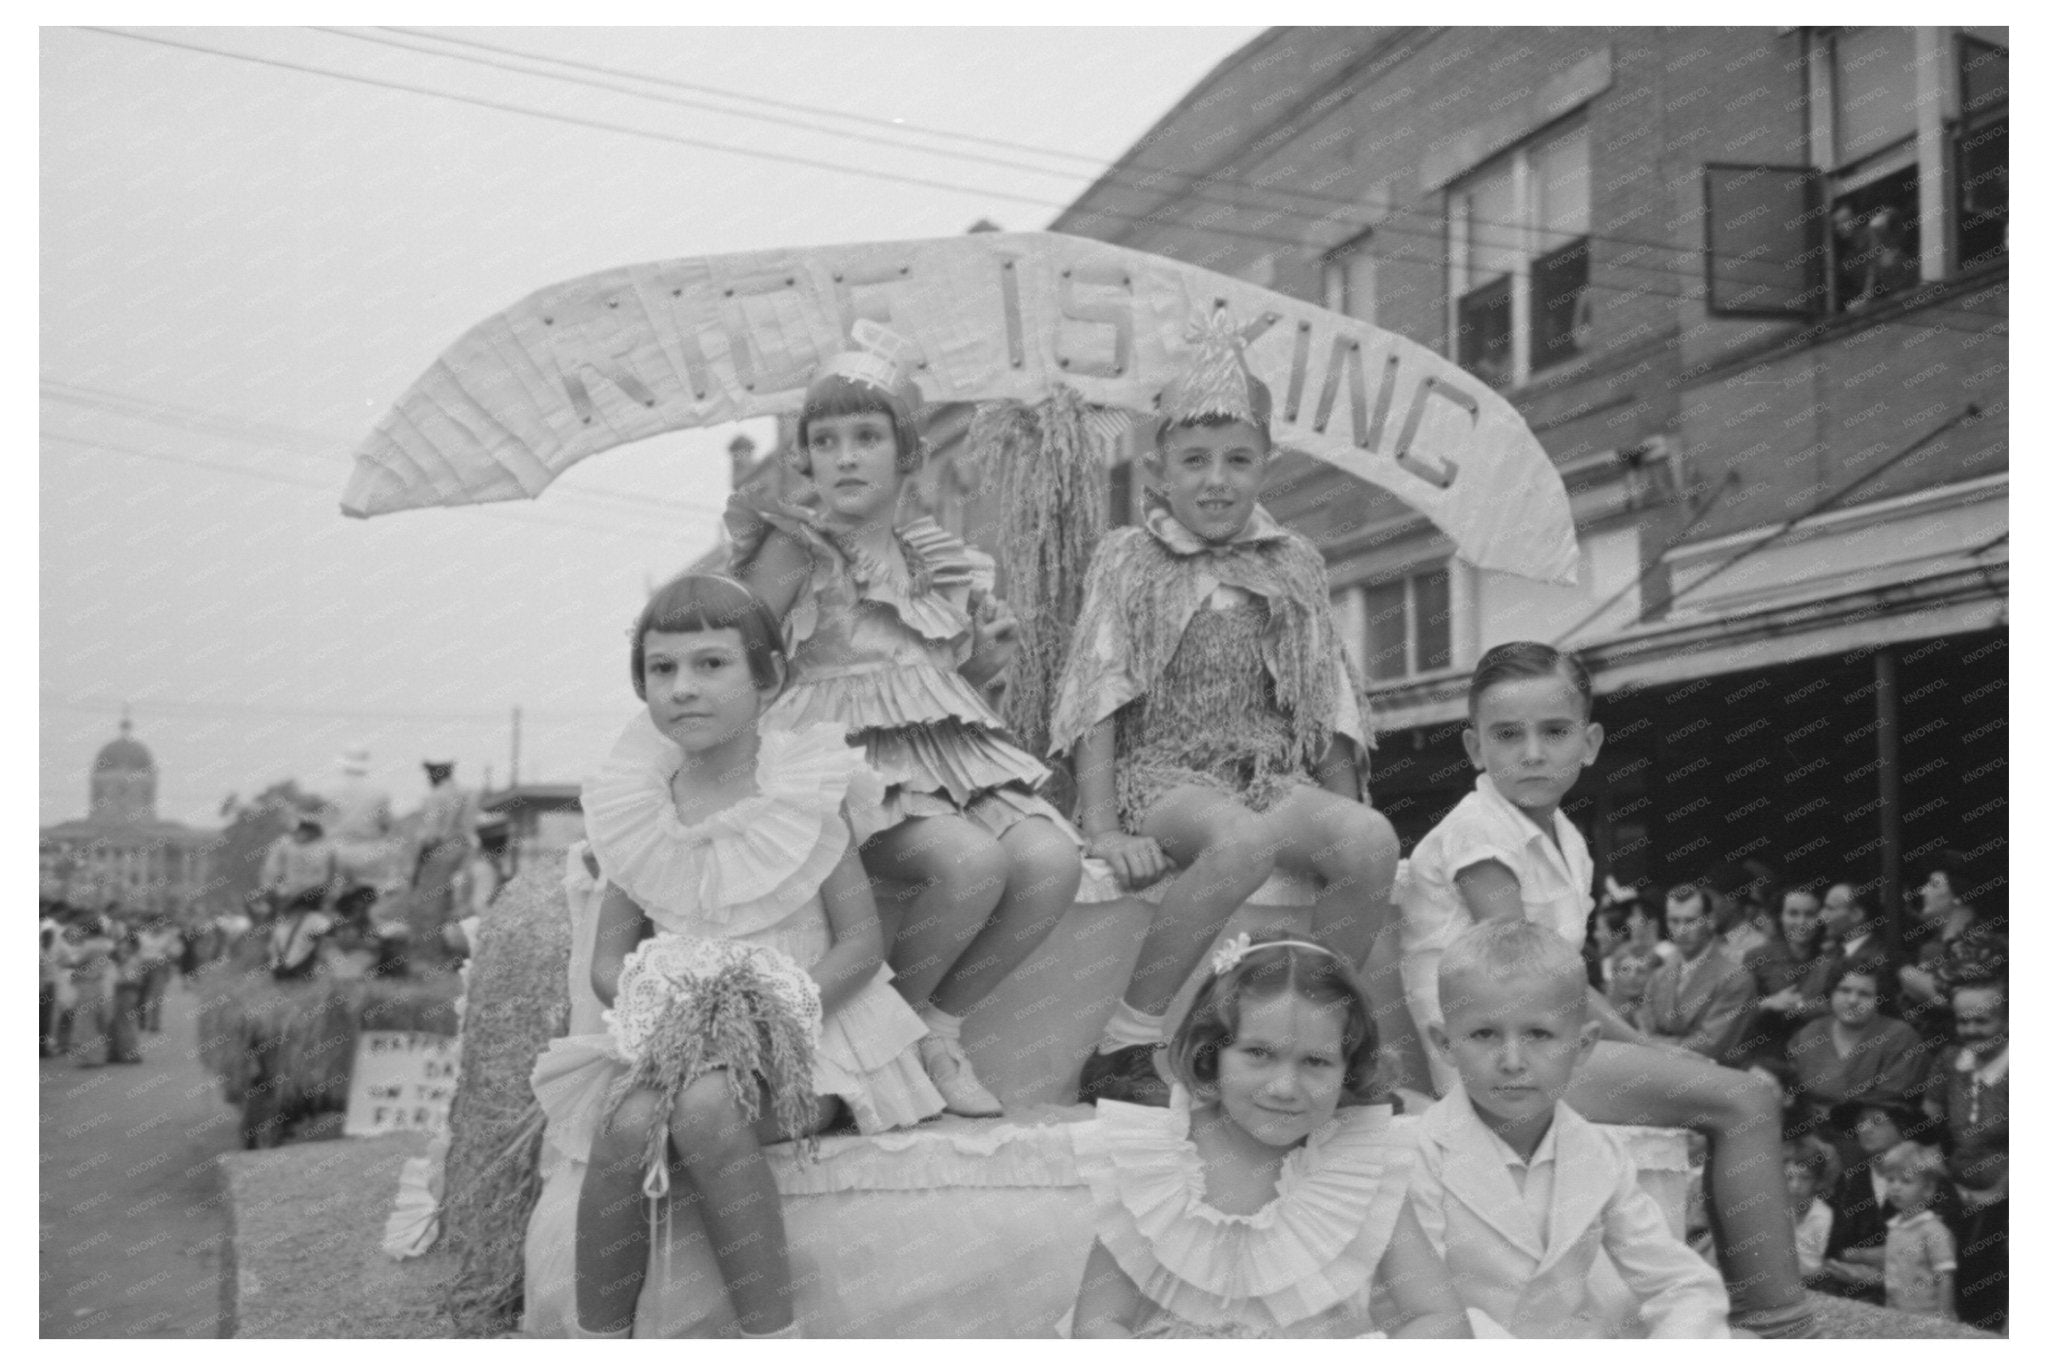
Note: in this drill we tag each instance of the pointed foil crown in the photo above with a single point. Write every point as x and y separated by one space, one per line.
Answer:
878 362
1216 382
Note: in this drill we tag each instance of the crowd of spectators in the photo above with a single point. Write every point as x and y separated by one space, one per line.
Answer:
103 974
1890 1052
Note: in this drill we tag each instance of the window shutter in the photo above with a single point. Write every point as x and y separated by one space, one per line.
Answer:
1765 251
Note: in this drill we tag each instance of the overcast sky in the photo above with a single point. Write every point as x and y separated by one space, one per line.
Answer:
246 258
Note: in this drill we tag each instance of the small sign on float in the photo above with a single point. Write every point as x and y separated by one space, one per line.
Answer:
401 1083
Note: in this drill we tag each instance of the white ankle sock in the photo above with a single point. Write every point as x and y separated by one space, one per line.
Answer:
940 1024
1131 1027
793 1332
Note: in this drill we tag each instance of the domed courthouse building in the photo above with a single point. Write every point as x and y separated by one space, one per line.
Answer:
121 853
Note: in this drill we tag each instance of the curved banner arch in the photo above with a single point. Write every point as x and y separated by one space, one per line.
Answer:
628 353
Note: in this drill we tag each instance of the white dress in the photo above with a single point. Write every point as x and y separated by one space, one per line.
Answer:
748 875
1301 1266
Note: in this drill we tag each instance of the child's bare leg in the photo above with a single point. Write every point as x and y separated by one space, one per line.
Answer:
958 869
1044 872
741 1206
611 1219
1351 849
1747 1201
1225 853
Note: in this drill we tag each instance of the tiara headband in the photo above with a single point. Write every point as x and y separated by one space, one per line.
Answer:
1232 951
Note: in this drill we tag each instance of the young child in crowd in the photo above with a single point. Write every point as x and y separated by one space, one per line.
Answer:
738 948
1919 1250
890 632
1507 852
1806 1174
1266 1200
1515 1189
1214 722
1855 1259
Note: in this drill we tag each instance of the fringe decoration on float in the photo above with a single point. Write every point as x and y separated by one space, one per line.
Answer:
1049 462
517 1001
688 1007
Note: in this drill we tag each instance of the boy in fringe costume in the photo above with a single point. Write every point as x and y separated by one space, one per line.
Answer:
1215 724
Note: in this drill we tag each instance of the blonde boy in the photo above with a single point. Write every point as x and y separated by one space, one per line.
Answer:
1518 1193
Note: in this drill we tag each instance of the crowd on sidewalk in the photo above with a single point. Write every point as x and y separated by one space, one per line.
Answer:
1890 1053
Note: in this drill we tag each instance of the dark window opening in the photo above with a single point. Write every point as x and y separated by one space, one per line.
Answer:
1560 305
1875 230
1486 332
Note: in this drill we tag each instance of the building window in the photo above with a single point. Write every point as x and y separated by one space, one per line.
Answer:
1845 232
1408 626
1865 105
1980 148
1351 280
1519 259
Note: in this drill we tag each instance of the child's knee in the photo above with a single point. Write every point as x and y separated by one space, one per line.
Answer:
1361 842
1240 856
706 1123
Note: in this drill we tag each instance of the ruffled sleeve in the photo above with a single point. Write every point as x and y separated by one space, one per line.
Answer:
931 592
1098 678
750 515
746 868
1316 1245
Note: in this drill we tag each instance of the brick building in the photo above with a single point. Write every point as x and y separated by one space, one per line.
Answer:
1749 289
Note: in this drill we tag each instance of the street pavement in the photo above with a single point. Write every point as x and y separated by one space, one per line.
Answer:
132 1220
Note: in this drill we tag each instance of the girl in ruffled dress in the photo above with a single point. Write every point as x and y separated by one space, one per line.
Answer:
738 948
1267 1199
891 630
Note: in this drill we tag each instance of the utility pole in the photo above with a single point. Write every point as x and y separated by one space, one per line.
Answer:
514 780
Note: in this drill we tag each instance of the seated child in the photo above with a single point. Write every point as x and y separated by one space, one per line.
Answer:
1516 1191
891 632
1806 1174
738 950
1214 721
1268 1200
1854 1267
1919 1250
1507 851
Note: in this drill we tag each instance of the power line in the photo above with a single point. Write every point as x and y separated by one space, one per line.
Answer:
273 476
598 124
216 424
685 103
1686 277
1435 219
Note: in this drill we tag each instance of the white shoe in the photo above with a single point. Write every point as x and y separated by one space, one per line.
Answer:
957 1084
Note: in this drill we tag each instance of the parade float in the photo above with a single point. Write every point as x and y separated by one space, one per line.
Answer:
1058 342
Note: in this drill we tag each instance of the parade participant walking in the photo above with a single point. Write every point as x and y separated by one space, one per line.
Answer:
1267 1200
93 972
1507 852
158 944
1213 719
890 632
739 952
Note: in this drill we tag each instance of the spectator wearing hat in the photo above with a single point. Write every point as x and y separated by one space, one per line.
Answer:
359 821
446 817
1956 942
1854 1267
301 867
1972 1102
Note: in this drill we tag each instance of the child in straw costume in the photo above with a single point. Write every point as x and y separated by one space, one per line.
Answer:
1215 724
738 948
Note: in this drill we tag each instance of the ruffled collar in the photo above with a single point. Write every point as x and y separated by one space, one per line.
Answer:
1316 1243
746 867
1169 531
